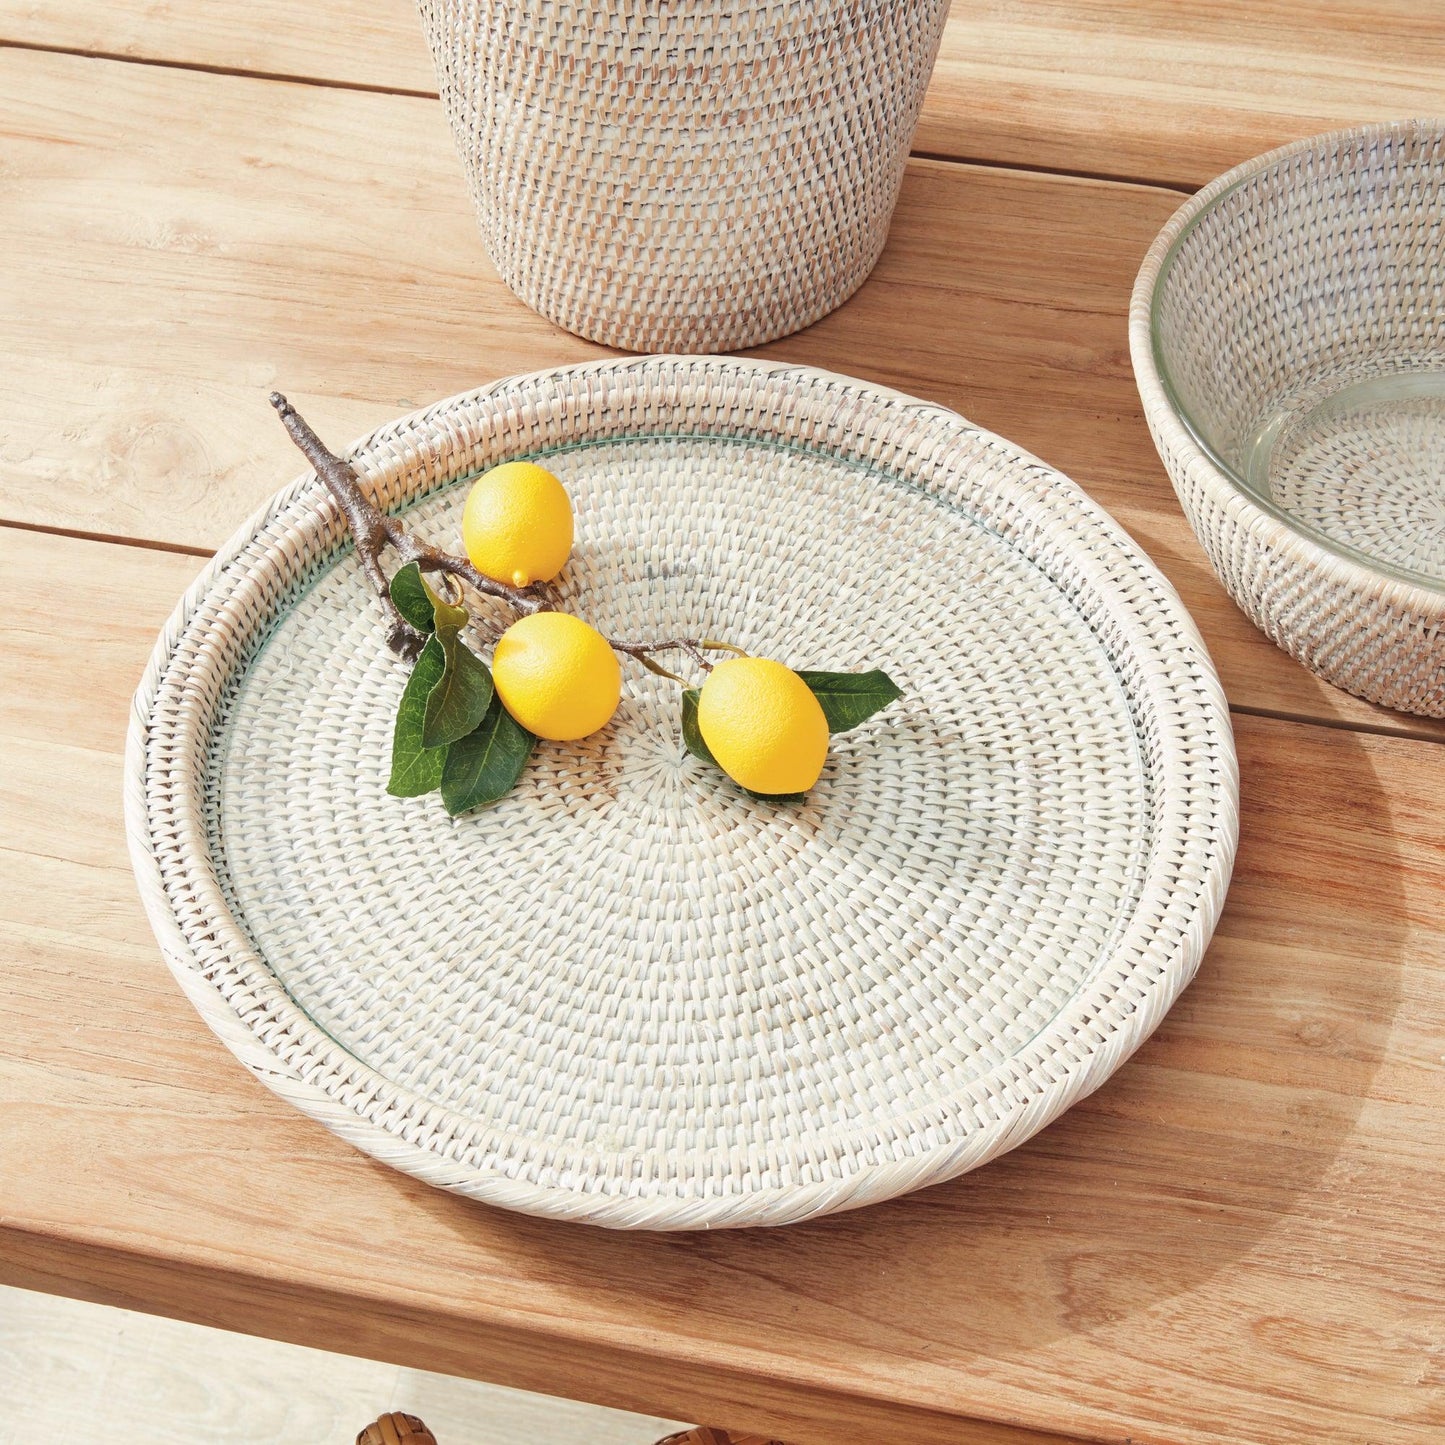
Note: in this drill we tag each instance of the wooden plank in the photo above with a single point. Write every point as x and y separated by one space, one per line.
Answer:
1172 92
1143 88
1238 1239
344 42
162 278
95 1374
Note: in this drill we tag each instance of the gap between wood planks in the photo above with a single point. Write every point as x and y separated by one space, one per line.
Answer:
145 544
206 69
1112 178
288 78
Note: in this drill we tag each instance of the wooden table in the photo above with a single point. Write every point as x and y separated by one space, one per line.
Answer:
1241 1238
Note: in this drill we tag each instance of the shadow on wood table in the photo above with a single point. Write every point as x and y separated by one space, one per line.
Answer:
1133 1223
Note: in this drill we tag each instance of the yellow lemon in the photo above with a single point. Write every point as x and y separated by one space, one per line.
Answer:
556 675
762 723
517 524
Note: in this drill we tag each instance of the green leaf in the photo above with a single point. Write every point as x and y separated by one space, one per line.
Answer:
485 765
413 597
415 768
421 606
692 734
458 702
449 616
775 797
849 698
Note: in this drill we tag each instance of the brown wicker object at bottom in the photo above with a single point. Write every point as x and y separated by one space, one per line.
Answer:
706 1435
396 1429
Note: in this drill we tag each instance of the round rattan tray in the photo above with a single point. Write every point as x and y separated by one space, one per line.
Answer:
630 994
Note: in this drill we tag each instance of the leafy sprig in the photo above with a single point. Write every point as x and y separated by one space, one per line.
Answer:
452 732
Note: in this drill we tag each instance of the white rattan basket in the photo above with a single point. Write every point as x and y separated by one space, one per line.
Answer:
1287 330
629 994
694 177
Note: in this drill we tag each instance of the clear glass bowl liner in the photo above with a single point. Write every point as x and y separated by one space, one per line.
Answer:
1314 250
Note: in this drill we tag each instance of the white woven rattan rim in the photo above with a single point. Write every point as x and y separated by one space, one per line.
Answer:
1270 527
1155 953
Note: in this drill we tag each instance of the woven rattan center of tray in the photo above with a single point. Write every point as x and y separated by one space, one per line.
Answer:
1365 467
627 959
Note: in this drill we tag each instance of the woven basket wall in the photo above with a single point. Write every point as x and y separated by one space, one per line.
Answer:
1303 270
690 177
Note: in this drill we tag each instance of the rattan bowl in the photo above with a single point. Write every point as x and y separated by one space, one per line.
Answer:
1288 337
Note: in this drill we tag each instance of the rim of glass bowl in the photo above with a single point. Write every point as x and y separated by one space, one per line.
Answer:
1207 204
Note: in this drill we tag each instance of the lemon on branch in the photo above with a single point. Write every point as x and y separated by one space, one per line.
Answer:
517 524
763 725
557 676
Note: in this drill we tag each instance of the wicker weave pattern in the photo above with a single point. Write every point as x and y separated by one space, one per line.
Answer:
700 177
1298 281
630 995
1366 469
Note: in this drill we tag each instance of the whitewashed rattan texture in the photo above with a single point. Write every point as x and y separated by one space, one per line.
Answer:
629 994
698 177
1288 337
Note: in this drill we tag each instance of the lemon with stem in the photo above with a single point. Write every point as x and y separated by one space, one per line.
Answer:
517 524
762 723
557 676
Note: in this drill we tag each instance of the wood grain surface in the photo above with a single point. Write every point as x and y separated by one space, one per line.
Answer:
1150 89
1236 1239
1173 92
162 279
1240 1238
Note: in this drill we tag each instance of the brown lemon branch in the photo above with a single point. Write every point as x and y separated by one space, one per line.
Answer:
374 531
